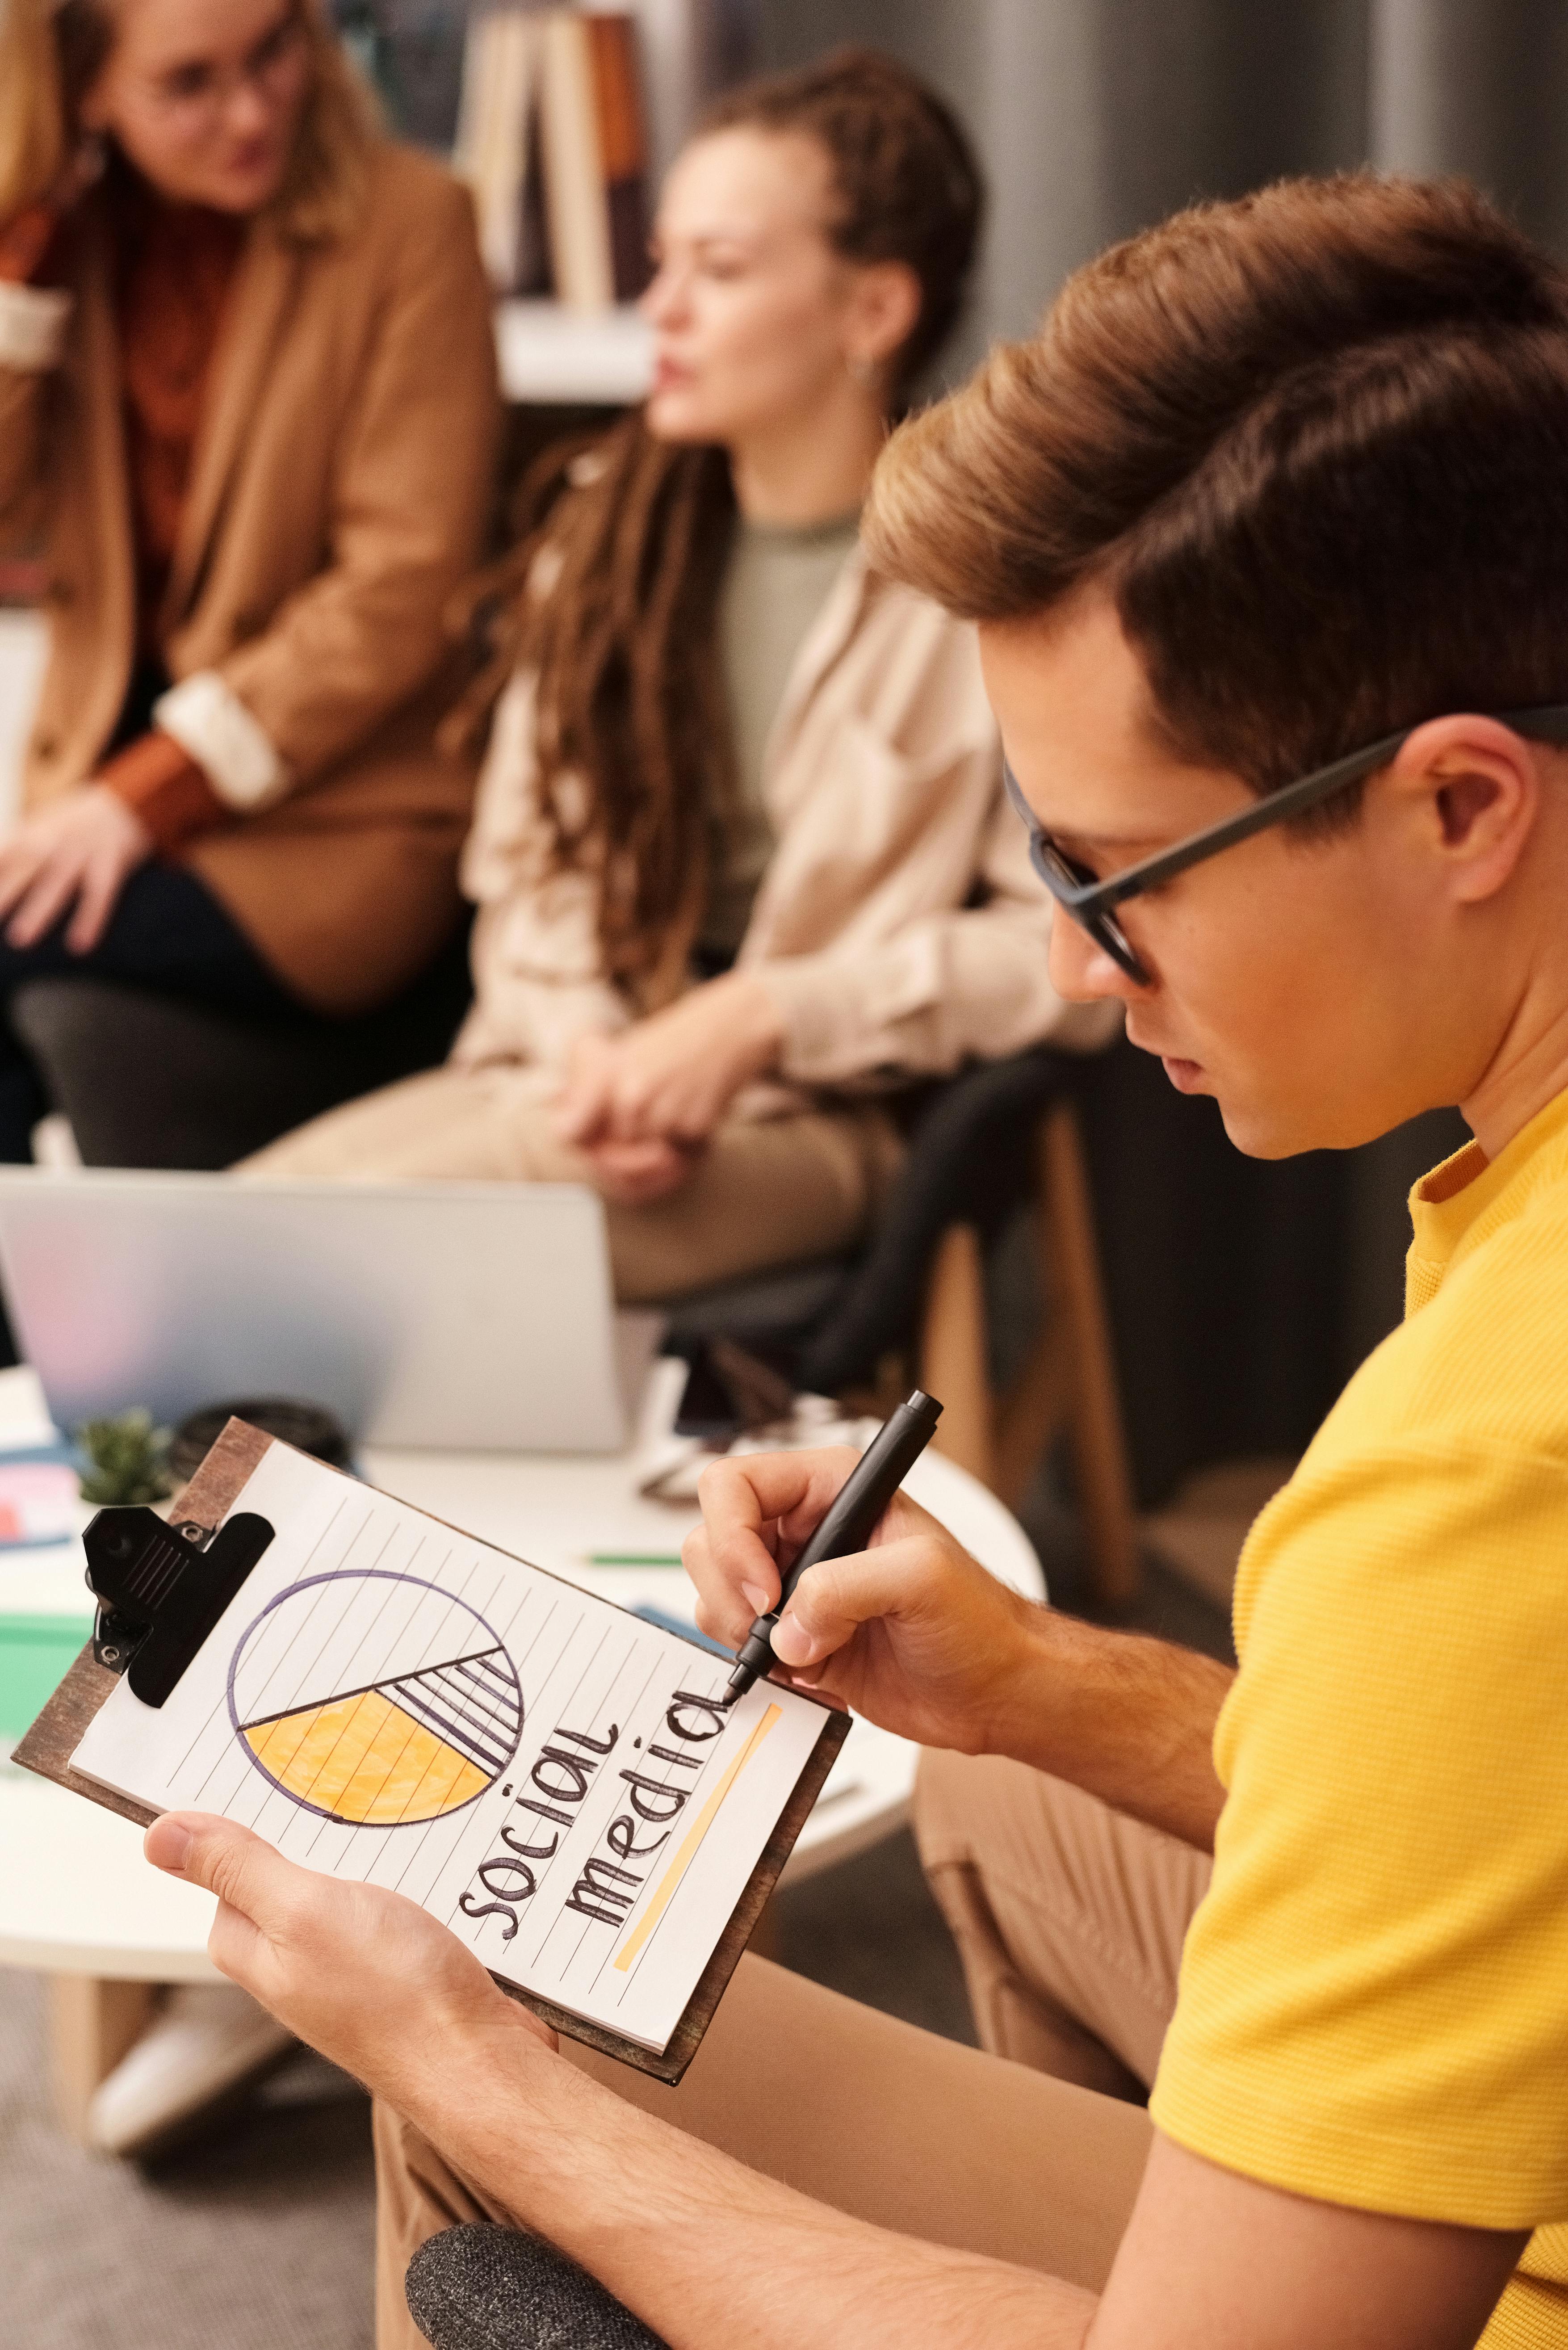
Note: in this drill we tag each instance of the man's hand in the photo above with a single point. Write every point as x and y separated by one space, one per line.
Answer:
915 1636
370 1979
641 1102
911 1632
81 851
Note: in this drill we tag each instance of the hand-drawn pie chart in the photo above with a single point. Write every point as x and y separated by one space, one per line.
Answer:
375 1698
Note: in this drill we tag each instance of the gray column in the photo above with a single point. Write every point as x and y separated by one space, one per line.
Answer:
690 49
1479 87
1095 118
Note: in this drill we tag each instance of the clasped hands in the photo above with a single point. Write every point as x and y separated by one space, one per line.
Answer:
911 1632
641 1104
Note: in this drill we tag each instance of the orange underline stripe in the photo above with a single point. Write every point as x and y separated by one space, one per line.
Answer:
693 1837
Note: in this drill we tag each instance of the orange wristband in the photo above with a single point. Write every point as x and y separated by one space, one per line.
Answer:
164 786
25 240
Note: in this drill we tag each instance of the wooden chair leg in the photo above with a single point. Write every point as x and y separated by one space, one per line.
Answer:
953 1355
1031 1413
1099 1442
92 2025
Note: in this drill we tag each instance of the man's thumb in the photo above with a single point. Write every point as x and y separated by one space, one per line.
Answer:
830 1602
225 1858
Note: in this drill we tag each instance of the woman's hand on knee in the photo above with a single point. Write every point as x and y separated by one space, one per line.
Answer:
78 853
630 1172
371 1979
912 1632
671 1077
634 1174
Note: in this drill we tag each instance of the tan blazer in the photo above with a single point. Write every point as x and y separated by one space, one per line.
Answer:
339 491
900 926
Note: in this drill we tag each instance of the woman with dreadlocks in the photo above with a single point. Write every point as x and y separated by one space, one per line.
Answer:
742 856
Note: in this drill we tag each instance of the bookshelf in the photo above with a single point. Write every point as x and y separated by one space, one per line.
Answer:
572 355
554 357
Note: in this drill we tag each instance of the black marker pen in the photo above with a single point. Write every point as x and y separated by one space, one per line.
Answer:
848 1522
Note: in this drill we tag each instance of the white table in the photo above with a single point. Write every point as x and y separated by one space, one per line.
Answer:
77 1900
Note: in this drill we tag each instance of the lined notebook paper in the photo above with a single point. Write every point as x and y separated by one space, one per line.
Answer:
555 1779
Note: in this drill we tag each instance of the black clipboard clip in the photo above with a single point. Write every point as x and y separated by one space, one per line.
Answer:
161 1589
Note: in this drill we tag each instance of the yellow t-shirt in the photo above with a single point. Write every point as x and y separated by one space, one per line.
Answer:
1374 1999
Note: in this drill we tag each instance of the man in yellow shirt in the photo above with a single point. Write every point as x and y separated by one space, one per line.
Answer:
1264 534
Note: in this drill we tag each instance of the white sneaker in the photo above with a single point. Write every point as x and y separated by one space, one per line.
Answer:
206 2042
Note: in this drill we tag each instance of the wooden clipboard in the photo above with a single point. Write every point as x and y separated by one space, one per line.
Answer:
206 1502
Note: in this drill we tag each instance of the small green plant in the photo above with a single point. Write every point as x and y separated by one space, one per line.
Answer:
128 1459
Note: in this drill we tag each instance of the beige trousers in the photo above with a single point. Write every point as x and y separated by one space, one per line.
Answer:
1069 1920
765 1191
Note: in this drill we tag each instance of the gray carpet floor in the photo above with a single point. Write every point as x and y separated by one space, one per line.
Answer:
260 2236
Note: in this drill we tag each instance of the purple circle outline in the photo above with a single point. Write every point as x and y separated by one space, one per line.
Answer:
368 1574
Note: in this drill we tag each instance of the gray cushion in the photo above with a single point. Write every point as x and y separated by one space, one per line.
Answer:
151 1080
488 2288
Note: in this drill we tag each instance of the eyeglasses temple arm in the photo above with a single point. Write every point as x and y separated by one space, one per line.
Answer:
1550 721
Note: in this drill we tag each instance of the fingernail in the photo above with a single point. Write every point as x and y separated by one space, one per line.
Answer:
792 1643
173 1845
758 1597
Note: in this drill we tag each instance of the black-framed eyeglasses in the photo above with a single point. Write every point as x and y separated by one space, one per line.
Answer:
1089 903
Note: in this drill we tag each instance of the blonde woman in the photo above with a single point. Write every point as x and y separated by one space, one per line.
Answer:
743 859
248 416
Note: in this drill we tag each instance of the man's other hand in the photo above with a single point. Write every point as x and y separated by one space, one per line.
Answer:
368 1977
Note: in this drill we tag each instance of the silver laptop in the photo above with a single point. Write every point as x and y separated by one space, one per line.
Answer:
469 1317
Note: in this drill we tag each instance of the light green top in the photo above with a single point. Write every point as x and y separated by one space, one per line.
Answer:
776 582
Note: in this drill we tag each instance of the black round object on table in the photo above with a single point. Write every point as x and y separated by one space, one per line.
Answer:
308 1426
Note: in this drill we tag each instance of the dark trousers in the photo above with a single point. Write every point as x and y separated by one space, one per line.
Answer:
168 934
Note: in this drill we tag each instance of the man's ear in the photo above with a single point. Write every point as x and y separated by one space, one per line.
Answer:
1476 785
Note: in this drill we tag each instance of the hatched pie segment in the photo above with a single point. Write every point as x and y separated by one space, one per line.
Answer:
400 1752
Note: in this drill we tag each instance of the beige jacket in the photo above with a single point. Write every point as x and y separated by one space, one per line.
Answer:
900 926
339 491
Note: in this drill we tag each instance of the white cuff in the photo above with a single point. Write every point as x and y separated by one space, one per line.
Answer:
33 322
207 718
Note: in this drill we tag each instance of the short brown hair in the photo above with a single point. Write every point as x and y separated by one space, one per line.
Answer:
905 179
1315 444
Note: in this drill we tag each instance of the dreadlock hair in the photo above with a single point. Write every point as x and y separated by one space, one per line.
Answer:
611 596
